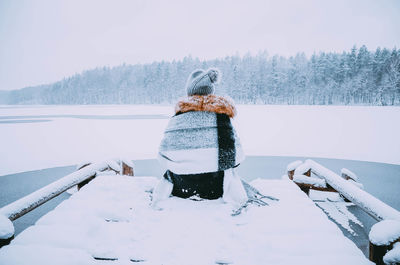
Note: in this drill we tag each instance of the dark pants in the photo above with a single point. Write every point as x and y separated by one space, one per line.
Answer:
206 185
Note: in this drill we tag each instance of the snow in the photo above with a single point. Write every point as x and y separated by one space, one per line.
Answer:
114 165
358 184
301 169
6 228
43 255
302 179
128 162
393 256
82 164
340 214
111 218
366 201
385 232
317 195
294 165
345 132
349 173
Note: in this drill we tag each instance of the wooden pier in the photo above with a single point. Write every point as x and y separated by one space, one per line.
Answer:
109 221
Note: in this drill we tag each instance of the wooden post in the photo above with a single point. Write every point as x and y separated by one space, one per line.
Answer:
376 252
127 170
5 242
346 177
291 174
306 188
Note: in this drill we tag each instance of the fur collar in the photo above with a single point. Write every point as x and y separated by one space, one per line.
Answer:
210 103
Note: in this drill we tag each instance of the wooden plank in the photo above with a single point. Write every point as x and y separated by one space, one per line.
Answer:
371 205
28 203
312 187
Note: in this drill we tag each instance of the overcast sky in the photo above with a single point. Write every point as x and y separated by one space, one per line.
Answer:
42 41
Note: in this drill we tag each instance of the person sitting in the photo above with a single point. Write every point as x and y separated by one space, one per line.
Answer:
200 149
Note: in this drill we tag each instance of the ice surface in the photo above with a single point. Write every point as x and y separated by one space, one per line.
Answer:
111 218
6 228
385 232
345 132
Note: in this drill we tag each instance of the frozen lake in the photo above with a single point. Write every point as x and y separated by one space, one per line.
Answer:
45 137
38 137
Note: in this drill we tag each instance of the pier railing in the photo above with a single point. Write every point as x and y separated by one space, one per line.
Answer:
81 177
384 236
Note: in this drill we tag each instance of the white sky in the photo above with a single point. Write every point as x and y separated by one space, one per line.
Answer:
43 41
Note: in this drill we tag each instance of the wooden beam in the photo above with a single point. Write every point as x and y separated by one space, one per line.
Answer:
26 204
312 187
83 183
127 170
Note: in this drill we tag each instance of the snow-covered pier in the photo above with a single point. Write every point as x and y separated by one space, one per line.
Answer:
109 221
384 236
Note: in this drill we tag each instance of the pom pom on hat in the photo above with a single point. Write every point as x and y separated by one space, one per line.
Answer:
201 82
214 75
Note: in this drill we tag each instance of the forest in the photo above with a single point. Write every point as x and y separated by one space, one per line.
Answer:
355 77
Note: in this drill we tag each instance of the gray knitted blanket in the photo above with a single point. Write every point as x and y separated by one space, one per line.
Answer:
199 142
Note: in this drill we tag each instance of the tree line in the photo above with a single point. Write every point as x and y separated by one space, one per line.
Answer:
355 77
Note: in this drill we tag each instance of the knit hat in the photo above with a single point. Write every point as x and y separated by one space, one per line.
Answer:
201 82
